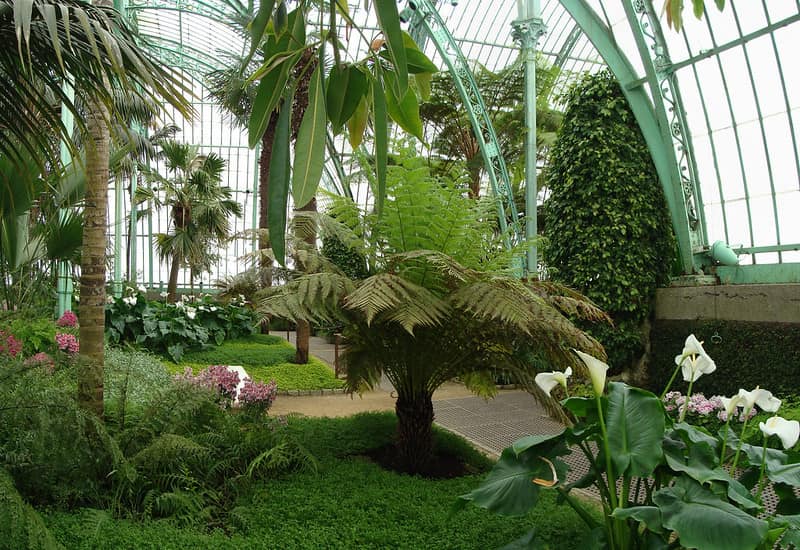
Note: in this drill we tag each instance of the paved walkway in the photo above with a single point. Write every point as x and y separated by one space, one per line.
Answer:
491 425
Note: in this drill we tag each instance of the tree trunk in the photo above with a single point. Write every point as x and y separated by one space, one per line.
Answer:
303 331
414 431
172 285
93 262
265 266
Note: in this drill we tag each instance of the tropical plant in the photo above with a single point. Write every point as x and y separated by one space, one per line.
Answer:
503 96
607 225
435 304
200 209
663 482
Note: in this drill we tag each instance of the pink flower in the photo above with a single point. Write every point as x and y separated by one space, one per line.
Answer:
257 396
67 343
9 344
69 319
217 378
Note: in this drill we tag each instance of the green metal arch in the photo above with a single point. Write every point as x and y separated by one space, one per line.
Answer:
426 17
655 126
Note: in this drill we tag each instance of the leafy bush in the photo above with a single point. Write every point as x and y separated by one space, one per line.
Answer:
173 328
132 376
242 353
21 528
606 220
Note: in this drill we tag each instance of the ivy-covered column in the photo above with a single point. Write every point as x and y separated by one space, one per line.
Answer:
527 30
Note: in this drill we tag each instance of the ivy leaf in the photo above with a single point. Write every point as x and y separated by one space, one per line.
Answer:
309 155
279 173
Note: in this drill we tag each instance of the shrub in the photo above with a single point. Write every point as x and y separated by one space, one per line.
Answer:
36 334
608 228
132 377
9 345
21 528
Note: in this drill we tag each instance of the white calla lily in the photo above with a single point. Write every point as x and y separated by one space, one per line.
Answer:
597 371
730 403
549 380
787 430
763 398
694 361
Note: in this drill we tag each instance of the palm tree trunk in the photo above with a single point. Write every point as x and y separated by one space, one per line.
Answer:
303 330
93 262
265 266
172 285
414 430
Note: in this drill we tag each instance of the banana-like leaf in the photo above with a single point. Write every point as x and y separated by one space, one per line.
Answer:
309 156
635 420
258 25
389 22
357 124
405 110
268 94
346 87
279 179
381 128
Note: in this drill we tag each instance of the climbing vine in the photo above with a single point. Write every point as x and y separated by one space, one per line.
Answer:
606 219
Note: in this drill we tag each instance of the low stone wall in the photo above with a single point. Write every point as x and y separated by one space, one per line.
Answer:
779 303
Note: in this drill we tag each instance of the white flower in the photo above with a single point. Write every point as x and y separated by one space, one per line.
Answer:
763 398
179 304
109 299
191 312
142 289
190 297
164 294
214 308
203 308
130 300
730 403
549 380
694 361
597 371
787 430
128 289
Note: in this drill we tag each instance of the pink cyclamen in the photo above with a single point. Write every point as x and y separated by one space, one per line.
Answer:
67 343
69 319
9 344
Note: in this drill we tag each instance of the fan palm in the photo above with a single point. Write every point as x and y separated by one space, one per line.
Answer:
435 305
200 208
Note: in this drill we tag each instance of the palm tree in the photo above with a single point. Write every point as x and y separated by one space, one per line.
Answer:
200 209
436 304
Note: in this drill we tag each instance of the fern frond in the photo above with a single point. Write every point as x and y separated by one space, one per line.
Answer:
568 301
310 297
400 300
500 298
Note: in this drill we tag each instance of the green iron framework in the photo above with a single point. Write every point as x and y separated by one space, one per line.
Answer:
717 103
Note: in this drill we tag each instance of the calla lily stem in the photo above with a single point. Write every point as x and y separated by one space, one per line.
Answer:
763 470
671 380
686 402
741 440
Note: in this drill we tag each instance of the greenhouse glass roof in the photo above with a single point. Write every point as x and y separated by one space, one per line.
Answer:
718 102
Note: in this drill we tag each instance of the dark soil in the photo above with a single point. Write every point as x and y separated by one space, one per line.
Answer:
442 465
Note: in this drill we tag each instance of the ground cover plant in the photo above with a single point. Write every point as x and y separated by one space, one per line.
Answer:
349 502
265 358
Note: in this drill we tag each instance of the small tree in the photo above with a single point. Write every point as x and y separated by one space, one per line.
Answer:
607 223
200 209
435 304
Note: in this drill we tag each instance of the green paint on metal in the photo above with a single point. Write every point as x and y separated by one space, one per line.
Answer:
64 283
754 274
427 16
660 145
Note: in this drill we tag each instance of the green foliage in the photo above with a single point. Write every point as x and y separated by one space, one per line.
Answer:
173 328
36 334
607 223
350 503
132 377
661 482
344 257
265 358
21 528
747 355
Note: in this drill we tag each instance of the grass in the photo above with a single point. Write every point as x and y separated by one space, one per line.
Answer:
348 503
264 357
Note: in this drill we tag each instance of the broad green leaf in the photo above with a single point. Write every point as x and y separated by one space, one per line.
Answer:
268 94
346 87
528 541
424 85
309 154
720 4
703 520
580 406
381 128
779 468
258 25
635 425
279 175
358 123
417 61
281 19
648 515
699 6
508 489
404 112
792 533
389 22
532 441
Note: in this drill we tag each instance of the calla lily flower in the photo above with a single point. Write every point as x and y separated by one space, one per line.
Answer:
730 403
694 361
787 430
549 380
763 398
597 371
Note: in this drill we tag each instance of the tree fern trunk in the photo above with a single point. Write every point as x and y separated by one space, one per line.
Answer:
414 431
93 262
